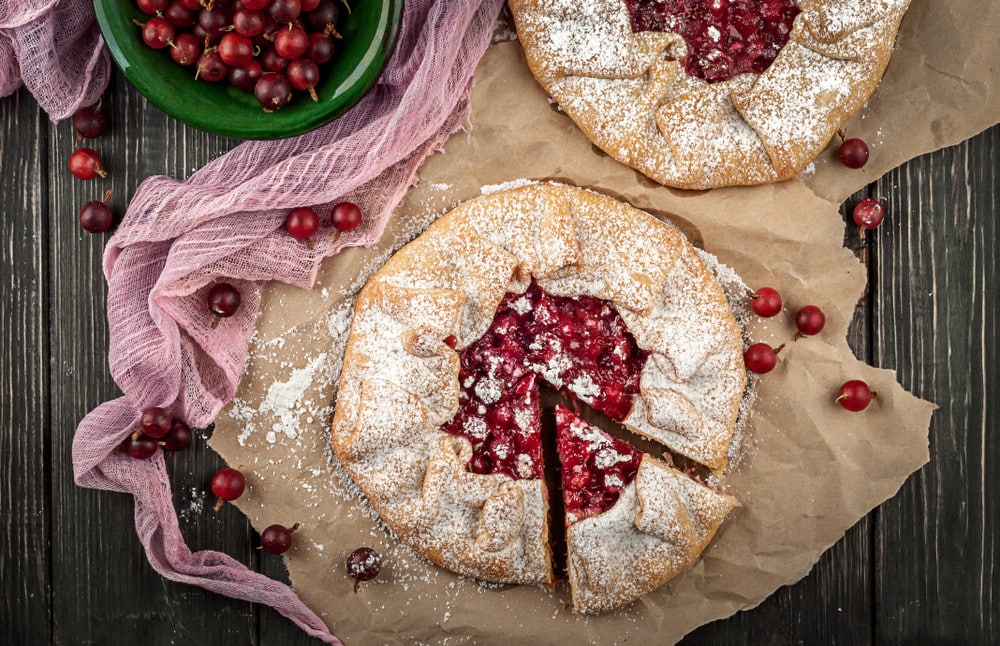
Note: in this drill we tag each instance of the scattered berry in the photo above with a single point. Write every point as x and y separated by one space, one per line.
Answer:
156 422
302 223
227 484
868 213
363 564
853 153
223 300
766 302
96 216
89 122
85 163
451 341
178 438
141 447
810 320
277 539
855 395
761 358
346 216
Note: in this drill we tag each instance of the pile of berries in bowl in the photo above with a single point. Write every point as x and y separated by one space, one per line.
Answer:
253 69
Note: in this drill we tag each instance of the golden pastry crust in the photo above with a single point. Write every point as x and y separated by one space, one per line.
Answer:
659 526
399 382
648 113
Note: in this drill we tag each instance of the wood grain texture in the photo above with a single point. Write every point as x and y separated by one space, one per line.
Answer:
936 570
25 603
921 569
108 594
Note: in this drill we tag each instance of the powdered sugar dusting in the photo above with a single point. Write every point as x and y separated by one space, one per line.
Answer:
400 379
629 93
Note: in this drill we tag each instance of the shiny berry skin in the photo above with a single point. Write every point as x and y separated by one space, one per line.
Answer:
141 447
270 61
235 49
216 21
760 358
156 422
273 91
179 16
810 320
363 564
853 153
854 395
186 49
285 11
291 42
346 216
228 484
276 539
303 74
320 48
151 7
868 213
245 77
211 67
89 122
178 438
85 163
223 299
451 341
157 32
96 217
302 223
766 302
249 23
324 16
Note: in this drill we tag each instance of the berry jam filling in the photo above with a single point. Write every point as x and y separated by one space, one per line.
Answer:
578 345
724 37
595 466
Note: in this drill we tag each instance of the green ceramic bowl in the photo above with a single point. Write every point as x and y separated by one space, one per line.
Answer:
369 33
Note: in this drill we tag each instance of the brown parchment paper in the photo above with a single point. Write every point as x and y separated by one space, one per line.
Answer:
809 470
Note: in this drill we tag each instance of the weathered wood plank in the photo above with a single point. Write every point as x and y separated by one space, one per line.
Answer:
937 576
25 603
107 592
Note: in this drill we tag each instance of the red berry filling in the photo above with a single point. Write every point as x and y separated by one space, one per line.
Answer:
579 345
724 37
595 466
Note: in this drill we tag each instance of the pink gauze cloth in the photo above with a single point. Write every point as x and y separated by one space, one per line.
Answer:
225 221
54 50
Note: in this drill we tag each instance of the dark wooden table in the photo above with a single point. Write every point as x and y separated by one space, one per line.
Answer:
922 568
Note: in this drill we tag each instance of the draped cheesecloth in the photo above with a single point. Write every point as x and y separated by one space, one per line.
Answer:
179 237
